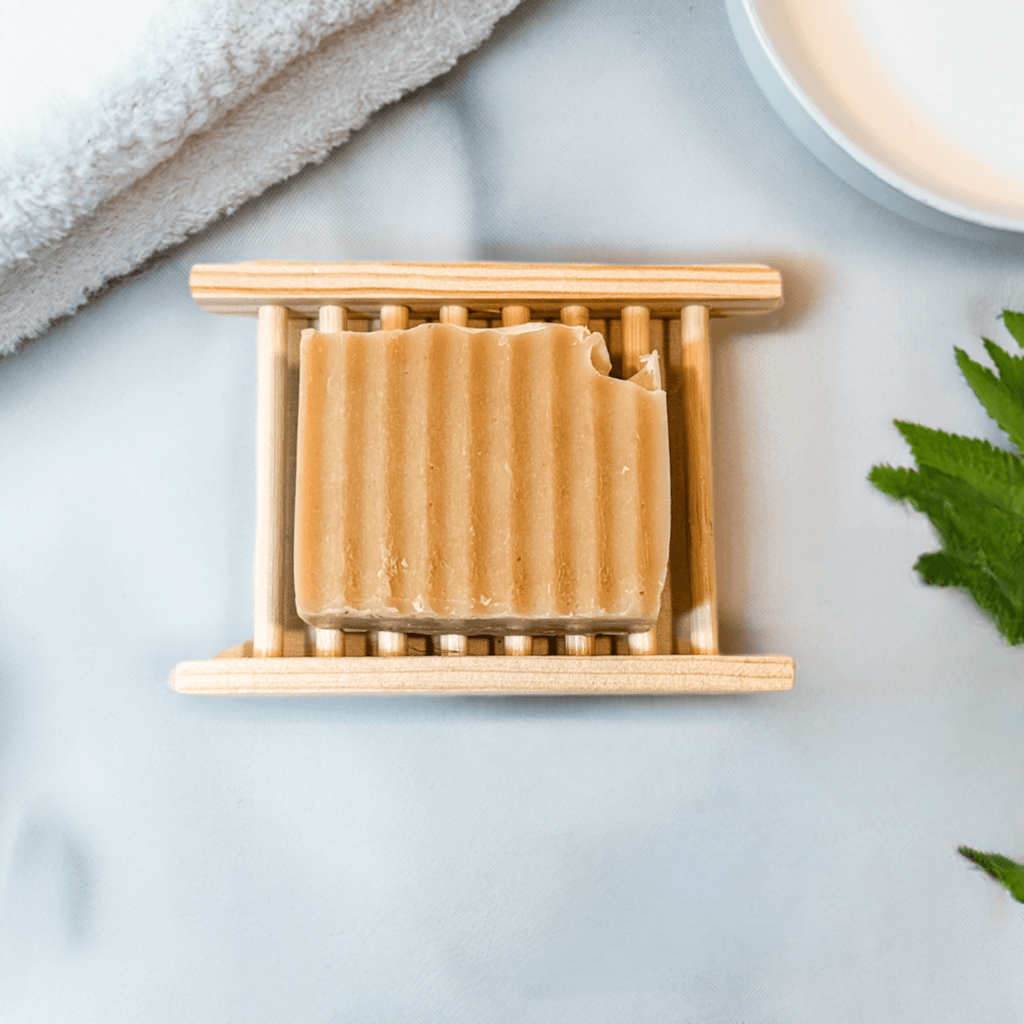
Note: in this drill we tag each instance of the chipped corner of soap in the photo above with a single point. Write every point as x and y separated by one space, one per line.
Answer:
306 338
649 374
599 357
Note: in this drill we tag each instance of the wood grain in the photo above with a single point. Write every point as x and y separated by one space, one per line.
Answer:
353 296
386 644
678 628
241 288
664 634
545 674
331 319
575 316
457 315
394 318
517 645
513 315
298 636
636 342
579 645
330 643
696 344
451 645
271 462
636 338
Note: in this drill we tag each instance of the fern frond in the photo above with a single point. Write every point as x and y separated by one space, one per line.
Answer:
1011 369
942 569
1006 872
1015 325
997 474
995 396
973 492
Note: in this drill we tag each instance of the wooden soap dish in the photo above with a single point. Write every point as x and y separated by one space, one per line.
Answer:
637 309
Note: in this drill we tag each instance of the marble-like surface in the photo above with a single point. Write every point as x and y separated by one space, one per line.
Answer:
784 857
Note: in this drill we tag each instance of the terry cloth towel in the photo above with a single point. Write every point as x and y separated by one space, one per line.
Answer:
201 105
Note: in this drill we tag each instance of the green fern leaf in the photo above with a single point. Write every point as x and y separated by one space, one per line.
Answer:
1011 369
997 474
995 396
973 493
897 483
1006 872
942 569
1015 325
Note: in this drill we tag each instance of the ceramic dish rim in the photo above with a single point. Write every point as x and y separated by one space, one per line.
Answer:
927 207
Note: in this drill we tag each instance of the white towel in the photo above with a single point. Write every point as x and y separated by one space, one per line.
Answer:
210 102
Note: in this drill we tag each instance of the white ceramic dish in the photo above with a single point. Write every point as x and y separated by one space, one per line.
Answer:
916 106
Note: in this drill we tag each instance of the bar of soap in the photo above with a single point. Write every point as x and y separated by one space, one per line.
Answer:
479 481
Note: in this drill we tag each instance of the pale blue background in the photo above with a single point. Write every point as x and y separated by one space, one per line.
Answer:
786 857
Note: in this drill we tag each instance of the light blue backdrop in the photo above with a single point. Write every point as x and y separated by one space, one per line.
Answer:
786 857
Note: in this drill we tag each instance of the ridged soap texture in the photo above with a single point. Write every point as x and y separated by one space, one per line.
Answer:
479 481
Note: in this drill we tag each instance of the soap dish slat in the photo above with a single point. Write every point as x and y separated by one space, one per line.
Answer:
638 308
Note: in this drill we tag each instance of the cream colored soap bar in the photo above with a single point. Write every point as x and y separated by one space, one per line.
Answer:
461 480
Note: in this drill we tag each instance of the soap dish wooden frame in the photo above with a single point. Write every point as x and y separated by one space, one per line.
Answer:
638 309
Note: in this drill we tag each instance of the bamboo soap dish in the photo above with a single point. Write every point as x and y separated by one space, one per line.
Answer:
638 310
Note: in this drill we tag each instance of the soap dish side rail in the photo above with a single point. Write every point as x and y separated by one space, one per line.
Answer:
636 308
